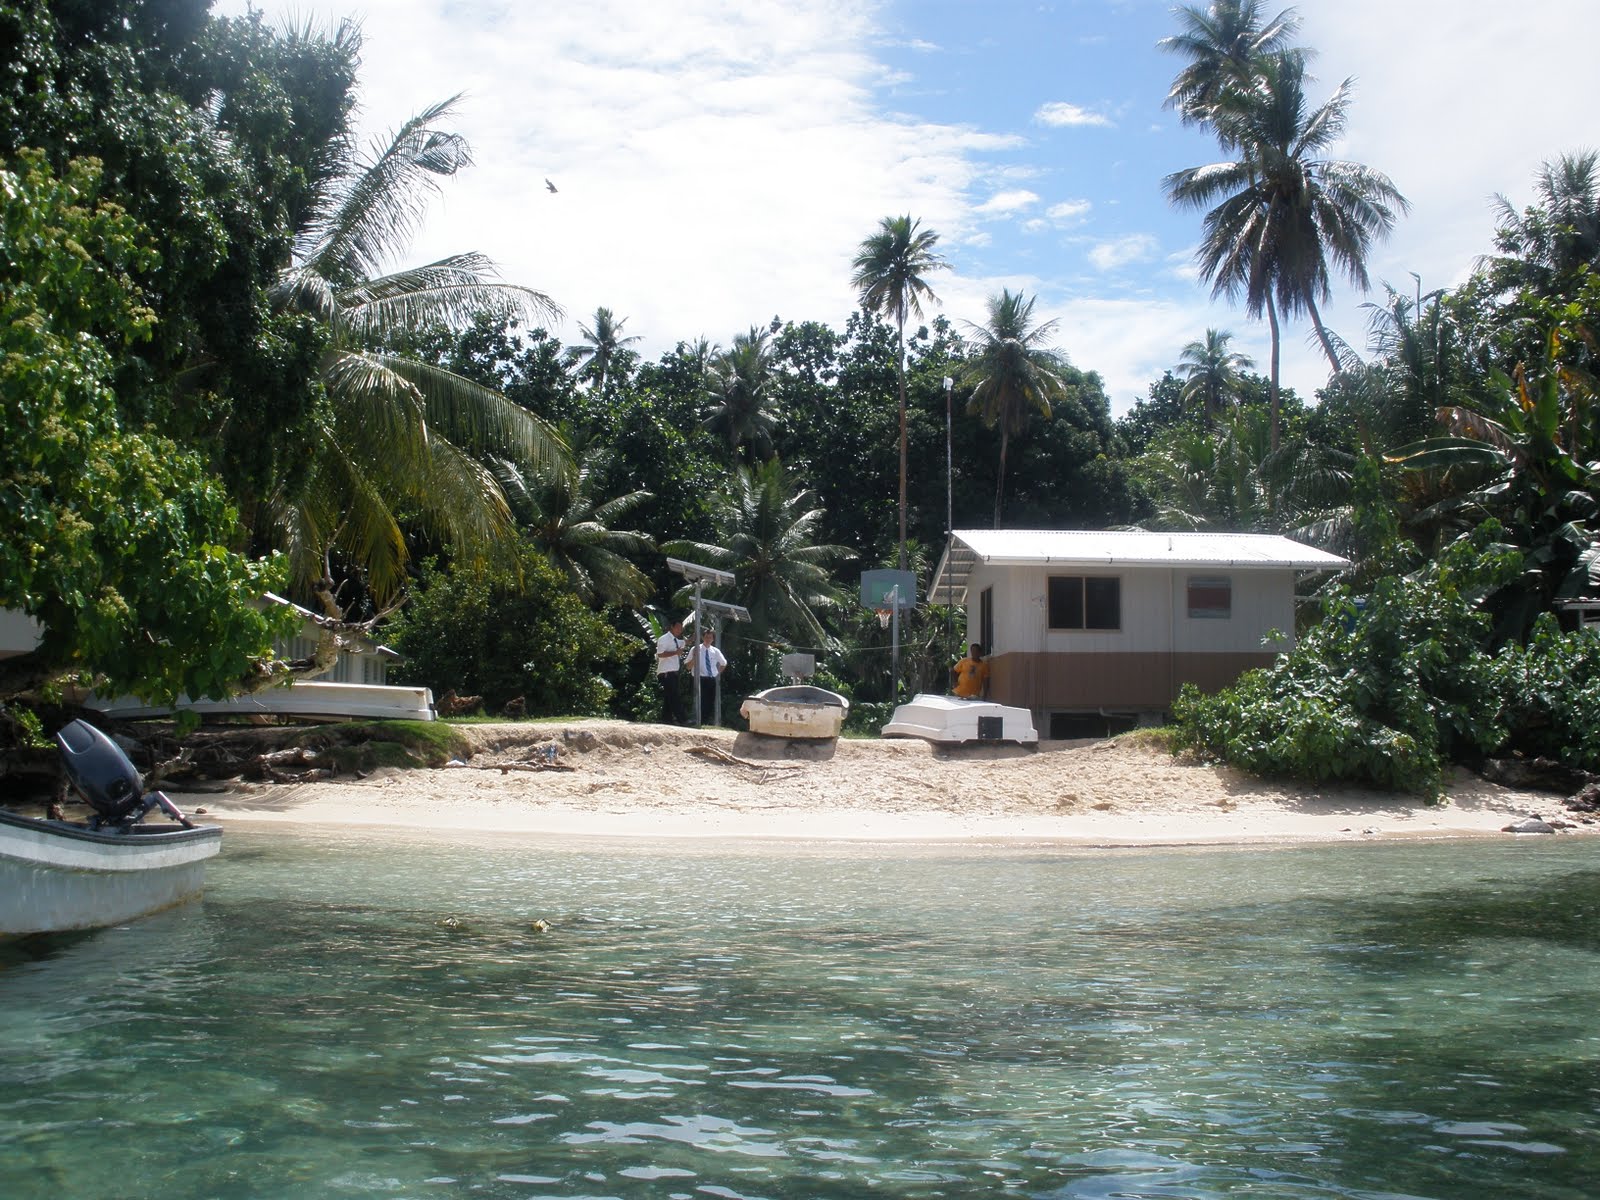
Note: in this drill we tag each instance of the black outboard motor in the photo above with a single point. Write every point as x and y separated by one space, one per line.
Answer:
107 780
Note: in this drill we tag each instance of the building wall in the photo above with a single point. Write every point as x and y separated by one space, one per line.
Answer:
1140 666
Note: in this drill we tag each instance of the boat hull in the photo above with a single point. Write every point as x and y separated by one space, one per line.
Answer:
795 712
950 719
56 877
309 699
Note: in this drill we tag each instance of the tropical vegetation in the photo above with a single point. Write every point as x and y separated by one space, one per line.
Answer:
416 448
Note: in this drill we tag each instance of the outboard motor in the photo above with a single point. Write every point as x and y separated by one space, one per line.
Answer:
104 776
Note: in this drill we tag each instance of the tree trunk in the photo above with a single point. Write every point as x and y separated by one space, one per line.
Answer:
1322 336
1273 400
900 372
1000 485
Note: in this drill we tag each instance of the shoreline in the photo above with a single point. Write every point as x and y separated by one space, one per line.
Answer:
616 780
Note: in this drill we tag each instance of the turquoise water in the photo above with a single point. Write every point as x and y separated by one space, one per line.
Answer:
353 1016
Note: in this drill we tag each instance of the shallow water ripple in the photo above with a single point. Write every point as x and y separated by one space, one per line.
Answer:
347 1019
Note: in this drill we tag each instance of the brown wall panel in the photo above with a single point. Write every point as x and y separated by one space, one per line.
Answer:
1129 680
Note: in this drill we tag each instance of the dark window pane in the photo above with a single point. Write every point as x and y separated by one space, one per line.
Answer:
1210 596
1066 602
1102 603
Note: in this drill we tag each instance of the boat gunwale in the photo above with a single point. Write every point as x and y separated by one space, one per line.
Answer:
144 835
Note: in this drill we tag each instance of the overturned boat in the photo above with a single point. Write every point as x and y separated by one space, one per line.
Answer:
796 711
950 719
61 875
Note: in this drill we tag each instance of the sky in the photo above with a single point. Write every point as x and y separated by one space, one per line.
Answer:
717 163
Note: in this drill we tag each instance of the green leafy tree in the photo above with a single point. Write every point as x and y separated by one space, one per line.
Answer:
505 630
1222 43
1012 373
210 134
1212 373
1281 218
741 387
604 347
114 540
565 517
764 531
890 274
402 434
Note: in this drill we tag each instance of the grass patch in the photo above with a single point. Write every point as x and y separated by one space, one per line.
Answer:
404 743
1160 737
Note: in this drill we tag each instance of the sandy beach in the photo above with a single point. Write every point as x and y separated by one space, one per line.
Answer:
615 779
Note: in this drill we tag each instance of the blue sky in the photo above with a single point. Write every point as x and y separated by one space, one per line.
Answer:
719 161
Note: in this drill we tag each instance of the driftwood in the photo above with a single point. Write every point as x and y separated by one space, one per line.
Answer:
733 760
537 764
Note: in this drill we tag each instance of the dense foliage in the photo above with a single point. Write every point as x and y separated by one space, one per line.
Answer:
212 351
507 630
117 542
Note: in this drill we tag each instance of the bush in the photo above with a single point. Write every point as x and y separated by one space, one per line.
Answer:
1386 692
1549 692
505 631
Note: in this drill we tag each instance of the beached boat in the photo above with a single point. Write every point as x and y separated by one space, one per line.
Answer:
309 699
951 719
796 711
56 876
60 875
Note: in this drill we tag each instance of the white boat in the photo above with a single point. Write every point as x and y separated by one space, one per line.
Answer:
57 876
309 698
950 719
796 711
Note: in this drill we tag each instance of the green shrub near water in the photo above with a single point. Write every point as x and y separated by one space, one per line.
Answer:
501 631
1392 691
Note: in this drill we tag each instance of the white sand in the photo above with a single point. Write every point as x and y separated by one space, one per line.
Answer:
646 781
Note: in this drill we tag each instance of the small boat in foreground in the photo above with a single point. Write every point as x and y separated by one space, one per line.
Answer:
60 875
952 720
796 711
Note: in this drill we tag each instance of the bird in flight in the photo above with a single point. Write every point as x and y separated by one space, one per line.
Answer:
550 185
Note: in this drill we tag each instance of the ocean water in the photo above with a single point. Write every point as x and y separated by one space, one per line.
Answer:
353 1014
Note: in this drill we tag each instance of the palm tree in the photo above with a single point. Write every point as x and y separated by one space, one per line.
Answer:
1222 42
1210 371
889 271
740 384
1012 373
766 534
1281 213
573 528
602 344
1548 244
398 434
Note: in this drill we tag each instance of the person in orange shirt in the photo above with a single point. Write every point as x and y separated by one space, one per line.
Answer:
972 674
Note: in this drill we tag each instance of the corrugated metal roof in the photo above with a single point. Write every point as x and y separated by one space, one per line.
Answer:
1105 548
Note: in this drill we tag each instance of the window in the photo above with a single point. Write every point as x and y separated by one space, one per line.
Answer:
1085 602
1210 597
986 620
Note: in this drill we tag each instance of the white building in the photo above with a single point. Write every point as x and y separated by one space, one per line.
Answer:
1109 625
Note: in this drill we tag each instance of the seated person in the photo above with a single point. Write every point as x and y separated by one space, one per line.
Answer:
972 674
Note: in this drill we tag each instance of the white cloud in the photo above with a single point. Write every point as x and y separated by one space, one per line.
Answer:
1060 114
1007 202
1068 210
1119 252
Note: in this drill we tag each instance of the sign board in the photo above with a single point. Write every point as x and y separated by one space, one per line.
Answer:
876 587
799 666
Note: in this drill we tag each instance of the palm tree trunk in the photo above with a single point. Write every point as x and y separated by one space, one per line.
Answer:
900 372
1273 400
1322 336
1000 484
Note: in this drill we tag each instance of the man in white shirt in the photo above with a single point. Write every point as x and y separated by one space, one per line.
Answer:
708 663
669 657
